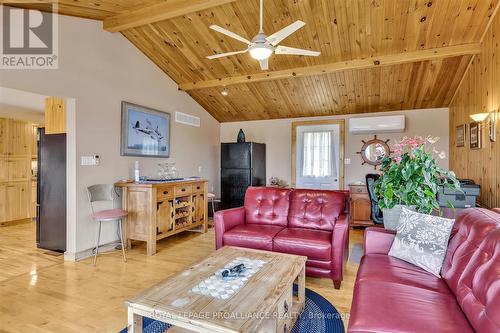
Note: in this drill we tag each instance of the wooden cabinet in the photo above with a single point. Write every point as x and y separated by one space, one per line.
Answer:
3 202
15 169
360 206
198 207
55 115
19 133
18 201
4 147
34 141
160 210
33 198
4 169
19 169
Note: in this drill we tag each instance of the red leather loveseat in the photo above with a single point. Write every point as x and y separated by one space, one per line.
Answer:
311 223
391 295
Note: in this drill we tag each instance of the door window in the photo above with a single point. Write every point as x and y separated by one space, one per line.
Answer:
318 152
317 158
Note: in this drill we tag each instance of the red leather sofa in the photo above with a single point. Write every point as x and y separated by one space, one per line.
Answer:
311 223
391 295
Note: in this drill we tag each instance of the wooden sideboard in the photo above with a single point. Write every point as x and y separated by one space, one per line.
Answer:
360 206
163 209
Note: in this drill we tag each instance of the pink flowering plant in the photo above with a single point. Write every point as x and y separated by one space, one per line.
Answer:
412 177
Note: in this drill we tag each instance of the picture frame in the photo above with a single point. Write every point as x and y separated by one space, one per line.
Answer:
460 135
145 131
475 137
492 126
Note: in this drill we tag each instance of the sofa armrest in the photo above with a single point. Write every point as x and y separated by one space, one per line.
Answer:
226 220
378 241
340 246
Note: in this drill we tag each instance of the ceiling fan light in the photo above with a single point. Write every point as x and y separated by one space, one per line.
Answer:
261 52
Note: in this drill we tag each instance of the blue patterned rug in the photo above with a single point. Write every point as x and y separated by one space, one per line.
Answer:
319 316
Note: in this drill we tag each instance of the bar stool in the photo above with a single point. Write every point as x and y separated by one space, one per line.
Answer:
105 192
211 197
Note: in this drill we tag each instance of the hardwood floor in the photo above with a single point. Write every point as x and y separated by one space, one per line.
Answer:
39 292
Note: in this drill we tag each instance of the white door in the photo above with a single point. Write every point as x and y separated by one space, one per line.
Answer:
317 157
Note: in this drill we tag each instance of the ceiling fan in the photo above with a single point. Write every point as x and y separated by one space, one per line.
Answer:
262 47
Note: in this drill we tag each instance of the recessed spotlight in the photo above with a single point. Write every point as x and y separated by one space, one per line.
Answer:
224 92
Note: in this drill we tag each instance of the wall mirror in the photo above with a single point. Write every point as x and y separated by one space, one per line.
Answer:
374 151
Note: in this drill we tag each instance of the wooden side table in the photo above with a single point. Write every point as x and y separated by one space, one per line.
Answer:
359 206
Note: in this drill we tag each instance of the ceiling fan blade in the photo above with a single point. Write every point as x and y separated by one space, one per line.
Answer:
293 51
220 55
230 34
264 64
277 37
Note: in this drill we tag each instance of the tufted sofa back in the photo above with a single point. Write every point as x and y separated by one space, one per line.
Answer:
472 267
266 205
315 209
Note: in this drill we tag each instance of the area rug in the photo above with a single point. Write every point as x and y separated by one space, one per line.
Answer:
319 316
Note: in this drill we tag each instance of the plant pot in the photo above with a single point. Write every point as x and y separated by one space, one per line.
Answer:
391 216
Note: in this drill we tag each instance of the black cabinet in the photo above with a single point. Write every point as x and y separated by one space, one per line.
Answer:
242 165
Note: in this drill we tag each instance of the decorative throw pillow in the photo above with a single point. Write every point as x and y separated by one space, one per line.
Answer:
422 240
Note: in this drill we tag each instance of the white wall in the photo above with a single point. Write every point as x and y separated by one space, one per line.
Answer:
276 134
99 70
35 116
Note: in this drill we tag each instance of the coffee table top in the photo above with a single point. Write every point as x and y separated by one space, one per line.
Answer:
172 298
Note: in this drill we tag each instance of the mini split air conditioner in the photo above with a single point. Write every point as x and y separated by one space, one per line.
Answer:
374 125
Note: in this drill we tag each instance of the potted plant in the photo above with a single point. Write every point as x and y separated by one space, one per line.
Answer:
411 177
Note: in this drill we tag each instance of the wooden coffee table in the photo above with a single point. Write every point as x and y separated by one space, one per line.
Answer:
264 304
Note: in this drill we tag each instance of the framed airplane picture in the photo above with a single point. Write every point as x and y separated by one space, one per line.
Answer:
145 131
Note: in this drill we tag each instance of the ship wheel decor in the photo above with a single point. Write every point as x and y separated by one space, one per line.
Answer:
374 151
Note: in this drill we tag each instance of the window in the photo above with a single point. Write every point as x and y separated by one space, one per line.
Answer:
318 154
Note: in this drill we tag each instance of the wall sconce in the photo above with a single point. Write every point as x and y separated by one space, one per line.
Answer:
492 123
479 117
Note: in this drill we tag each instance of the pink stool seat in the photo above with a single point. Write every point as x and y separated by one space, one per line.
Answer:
109 214
211 195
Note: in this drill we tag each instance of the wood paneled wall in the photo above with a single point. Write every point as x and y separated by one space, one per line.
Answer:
479 92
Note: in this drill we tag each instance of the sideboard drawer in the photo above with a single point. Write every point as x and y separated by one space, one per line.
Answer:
198 188
183 190
163 193
358 189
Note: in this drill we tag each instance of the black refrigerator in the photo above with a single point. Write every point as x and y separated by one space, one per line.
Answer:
51 195
242 165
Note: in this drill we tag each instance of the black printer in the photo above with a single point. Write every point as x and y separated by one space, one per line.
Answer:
463 198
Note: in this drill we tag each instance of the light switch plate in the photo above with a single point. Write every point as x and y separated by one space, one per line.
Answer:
90 160
347 161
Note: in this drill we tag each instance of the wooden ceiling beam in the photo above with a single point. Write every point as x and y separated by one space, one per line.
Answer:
386 60
159 12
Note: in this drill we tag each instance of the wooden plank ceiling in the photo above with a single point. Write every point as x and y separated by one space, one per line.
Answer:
342 30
